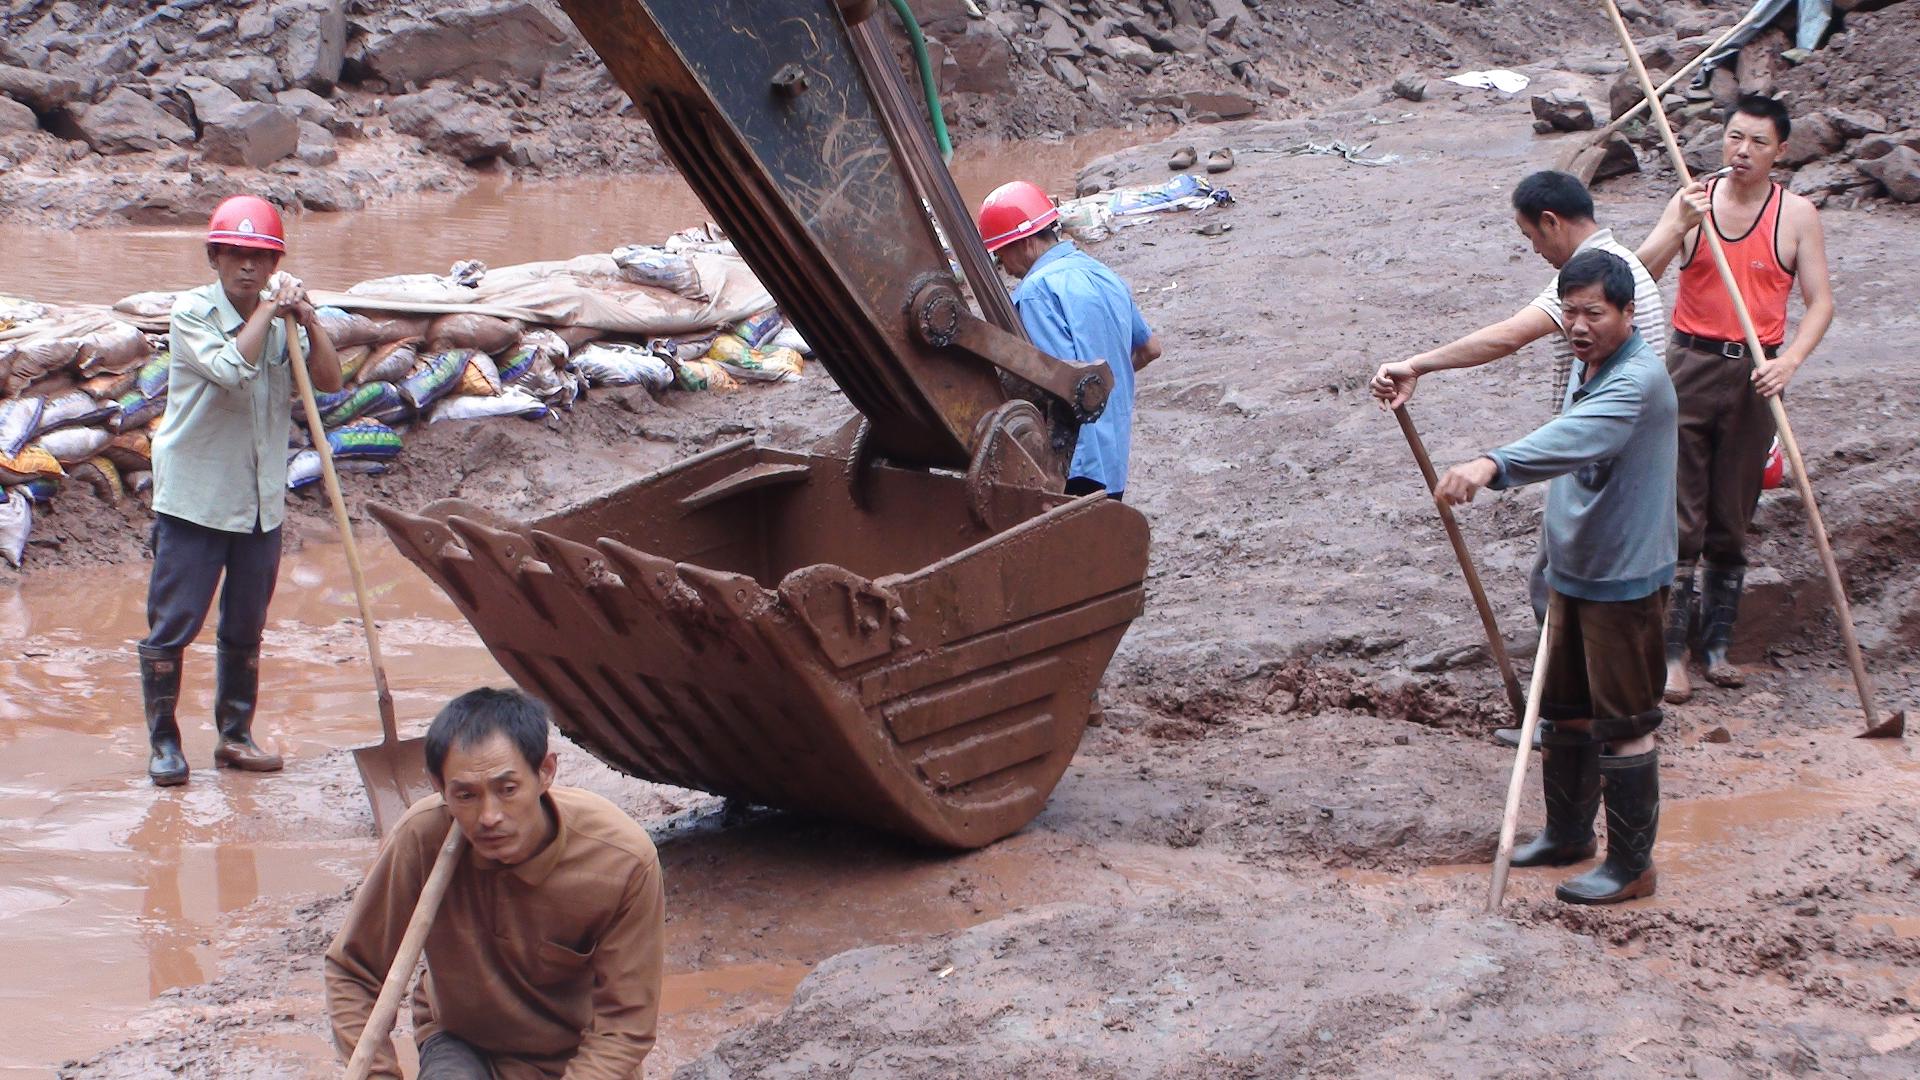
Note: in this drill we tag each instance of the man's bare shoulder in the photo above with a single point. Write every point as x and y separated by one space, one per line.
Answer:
1797 210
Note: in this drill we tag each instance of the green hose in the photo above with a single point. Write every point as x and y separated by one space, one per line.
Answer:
926 78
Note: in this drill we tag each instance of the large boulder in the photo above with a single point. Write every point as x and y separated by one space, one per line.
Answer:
16 117
127 123
252 77
1813 137
1878 146
40 91
450 124
1898 171
1563 110
1702 152
206 96
510 39
316 145
983 61
249 133
311 107
316 43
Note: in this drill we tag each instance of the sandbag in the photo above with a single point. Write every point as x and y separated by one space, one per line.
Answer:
110 387
480 378
151 380
132 451
87 342
70 446
351 360
558 389
30 464
620 364
365 440
758 329
99 474
75 408
113 348
789 338
469 331
356 401
516 362
347 329
576 336
727 347
19 419
136 410
16 525
512 401
394 327
41 489
391 362
303 469
548 346
139 481
148 308
764 365
434 378
703 375
644 264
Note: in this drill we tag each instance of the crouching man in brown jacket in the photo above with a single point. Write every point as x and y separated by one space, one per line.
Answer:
544 961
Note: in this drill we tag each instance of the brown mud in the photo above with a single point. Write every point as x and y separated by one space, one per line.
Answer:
1270 860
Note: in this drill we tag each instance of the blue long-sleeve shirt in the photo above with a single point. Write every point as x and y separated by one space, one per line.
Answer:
1074 308
1611 456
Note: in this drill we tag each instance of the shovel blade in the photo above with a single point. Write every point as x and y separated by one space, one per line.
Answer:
1893 727
395 776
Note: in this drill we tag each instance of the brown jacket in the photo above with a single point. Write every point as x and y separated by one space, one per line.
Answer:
552 966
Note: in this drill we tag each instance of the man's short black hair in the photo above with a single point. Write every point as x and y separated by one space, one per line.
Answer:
478 715
1562 193
1603 268
1771 108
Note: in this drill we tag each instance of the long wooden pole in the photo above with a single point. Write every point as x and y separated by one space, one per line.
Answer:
1685 69
1896 723
1495 642
1510 820
383 698
400 972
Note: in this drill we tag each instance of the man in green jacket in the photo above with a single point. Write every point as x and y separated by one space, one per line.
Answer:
220 479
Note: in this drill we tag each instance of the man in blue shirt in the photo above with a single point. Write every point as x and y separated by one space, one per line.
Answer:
1611 545
1073 308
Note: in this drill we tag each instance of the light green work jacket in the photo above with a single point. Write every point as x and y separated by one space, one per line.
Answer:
220 454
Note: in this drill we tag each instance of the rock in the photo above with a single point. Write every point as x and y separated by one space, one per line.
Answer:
316 145
1823 177
1855 123
1410 86
1067 72
450 124
495 40
316 43
127 123
42 92
206 96
16 117
1702 152
214 28
983 61
307 105
1717 735
1759 61
1623 93
1667 54
1724 85
326 194
1563 110
1128 51
1057 35
252 77
249 133
1813 136
1878 146
1898 171
1619 159
940 16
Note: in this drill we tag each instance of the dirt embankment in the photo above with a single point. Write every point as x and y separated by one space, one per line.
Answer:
1256 867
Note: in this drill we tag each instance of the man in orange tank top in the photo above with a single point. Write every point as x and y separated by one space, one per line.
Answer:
1772 238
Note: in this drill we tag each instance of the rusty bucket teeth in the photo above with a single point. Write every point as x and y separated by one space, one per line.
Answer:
1893 727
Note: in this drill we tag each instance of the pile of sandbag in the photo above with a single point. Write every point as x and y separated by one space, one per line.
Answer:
82 390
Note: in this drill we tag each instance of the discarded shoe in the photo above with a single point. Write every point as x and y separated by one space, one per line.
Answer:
1214 228
1220 160
1183 159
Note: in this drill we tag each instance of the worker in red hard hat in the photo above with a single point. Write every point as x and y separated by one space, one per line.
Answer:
220 479
1076 309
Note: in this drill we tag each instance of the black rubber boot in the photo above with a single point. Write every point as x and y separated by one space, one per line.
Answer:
236 690
1509 737
1719 606
1632 792
1680 610
1570 780
159 690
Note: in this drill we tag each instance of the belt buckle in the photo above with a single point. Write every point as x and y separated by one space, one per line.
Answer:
1734 350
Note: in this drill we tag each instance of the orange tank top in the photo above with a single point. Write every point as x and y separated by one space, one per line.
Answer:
1703 308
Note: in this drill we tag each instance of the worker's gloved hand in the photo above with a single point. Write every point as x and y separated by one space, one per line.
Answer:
1393 384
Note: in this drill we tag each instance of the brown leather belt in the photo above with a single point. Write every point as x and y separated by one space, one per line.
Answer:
1732 350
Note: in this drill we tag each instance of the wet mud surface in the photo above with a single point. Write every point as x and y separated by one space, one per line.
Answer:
1270 859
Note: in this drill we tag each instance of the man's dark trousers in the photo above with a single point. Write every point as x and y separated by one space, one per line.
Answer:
188 563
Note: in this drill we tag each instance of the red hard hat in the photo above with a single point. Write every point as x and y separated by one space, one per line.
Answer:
1015 211
247 221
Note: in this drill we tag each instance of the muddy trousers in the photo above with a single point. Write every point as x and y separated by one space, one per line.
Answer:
1725 430
189 562
449 1057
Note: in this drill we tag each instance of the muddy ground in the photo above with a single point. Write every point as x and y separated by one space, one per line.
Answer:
1269 861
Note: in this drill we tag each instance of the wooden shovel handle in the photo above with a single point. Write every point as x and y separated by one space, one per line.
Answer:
331 480
1510 820
400 973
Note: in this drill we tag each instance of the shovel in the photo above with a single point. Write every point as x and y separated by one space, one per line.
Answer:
394 771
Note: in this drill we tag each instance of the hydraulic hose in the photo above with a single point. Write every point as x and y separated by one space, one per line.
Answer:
927 87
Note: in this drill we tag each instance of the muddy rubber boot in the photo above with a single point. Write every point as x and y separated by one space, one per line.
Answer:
236 689
1680 608
1570 780
1509 737
159 690
1632 795
1719 607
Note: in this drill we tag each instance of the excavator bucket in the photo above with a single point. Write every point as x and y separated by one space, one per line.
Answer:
750 623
